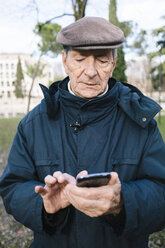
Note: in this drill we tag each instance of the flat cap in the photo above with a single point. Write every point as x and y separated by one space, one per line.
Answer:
91 33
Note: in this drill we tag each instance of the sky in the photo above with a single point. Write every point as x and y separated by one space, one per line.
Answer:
18 18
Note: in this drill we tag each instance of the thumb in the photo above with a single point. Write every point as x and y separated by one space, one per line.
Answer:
82 173
114 178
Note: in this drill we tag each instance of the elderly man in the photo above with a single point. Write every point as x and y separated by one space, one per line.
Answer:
88 123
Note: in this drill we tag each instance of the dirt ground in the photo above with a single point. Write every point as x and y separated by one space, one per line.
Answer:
12 233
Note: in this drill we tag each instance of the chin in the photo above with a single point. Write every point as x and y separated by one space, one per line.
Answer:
89 96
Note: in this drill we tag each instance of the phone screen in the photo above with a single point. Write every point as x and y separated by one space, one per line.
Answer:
94 180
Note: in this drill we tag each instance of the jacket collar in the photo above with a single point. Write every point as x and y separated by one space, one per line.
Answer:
138 107
87 110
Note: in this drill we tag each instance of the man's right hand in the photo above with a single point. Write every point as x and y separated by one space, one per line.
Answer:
53 193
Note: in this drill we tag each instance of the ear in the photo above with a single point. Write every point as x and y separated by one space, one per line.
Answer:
64 61
114 63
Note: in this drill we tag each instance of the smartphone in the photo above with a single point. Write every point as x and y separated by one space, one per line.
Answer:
94 180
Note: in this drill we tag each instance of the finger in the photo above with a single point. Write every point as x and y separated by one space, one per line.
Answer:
40 190
59 176
69 178
82 173
50 180
114 178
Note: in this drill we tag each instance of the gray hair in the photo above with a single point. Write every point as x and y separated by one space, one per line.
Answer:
114 52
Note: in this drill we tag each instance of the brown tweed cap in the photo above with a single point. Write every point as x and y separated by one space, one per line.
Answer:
91 33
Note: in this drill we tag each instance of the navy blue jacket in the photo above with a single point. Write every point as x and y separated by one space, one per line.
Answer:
115 132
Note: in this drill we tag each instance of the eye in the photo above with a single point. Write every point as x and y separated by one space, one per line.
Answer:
103 61
79 59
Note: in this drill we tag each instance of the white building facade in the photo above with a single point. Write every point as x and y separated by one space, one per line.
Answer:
10 105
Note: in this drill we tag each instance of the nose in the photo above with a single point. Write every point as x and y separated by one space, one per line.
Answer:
90 69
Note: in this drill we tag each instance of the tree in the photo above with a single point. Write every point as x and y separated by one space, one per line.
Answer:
79 7
18 83
31 69
113 13
119 72
48 33
34 71
158 72
141 45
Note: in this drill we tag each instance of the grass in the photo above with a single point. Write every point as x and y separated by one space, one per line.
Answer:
161 125
8 129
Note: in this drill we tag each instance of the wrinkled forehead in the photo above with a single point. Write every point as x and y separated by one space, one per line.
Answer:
94 52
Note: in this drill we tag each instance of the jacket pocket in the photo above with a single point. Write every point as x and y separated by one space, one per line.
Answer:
46 167
126 168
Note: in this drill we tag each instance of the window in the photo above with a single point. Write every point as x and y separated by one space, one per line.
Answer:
7 66
1 74
8 94
12 66
7 74
8 83
1 66
2 83
13 75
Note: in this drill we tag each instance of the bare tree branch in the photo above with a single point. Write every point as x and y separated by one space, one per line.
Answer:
31 6
65 14
36 8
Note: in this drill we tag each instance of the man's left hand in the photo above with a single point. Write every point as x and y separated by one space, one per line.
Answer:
97 201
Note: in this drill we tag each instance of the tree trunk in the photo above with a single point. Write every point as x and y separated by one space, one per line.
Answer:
79 7
113 13
33 80
119 72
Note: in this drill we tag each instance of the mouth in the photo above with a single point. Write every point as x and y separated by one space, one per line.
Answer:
90 84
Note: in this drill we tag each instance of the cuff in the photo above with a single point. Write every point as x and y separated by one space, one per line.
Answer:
117 221
52 222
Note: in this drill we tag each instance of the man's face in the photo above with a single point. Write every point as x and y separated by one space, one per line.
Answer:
89 71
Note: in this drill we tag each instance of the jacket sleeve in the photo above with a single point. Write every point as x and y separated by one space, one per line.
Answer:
144 199
17 185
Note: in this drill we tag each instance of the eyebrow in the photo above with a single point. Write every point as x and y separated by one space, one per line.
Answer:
95 54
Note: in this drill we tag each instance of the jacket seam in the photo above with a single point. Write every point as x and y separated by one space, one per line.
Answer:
25 122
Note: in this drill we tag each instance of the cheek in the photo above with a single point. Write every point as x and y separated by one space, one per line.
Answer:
75 72
106 74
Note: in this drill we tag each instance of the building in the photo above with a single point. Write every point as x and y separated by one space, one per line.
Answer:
8 68
10 105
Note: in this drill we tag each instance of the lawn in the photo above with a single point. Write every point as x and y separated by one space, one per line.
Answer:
161 126
8 128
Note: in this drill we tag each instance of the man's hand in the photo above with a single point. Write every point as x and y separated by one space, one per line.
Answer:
53 193
96 201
